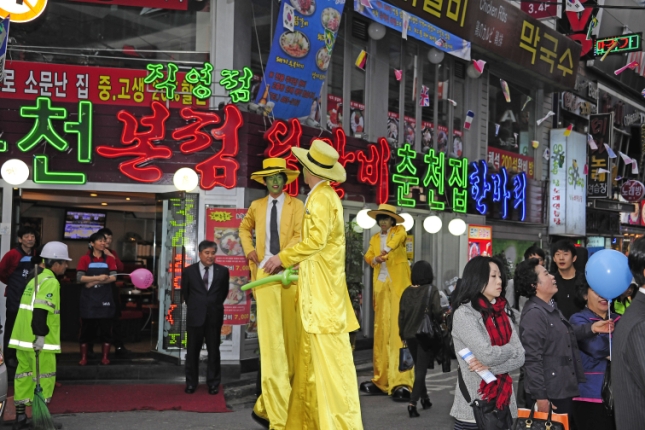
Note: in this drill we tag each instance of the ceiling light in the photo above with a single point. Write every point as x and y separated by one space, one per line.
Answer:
103 204
93 195
14 171
432 224
457 227
127 198
408 221
365 221
185 179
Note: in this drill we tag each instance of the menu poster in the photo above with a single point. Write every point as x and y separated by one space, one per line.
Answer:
480 241
299 57
222 227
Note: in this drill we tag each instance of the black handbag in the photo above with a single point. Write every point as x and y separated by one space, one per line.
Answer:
428 334
606 392
406 362
487 416
532 423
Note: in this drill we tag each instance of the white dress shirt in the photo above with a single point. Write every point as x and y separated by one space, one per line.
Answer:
267 233
383 274
210 273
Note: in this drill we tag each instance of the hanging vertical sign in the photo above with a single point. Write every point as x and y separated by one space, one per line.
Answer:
299 59
4 41
601 130
222 227
480 241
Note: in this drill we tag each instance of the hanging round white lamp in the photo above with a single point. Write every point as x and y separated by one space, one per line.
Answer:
14 171
376 31
185 179
435 56
408 221
363 220
432 224
457 227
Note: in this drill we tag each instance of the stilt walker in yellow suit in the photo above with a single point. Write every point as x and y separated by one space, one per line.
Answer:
277 221
388 256
324 394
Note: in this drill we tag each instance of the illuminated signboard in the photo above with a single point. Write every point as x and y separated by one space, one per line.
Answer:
452 183
22 11
624 43
236 82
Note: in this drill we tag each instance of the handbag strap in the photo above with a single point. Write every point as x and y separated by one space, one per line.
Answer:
462 386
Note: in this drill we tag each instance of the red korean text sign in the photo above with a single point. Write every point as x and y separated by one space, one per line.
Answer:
102 85
222 227
480 241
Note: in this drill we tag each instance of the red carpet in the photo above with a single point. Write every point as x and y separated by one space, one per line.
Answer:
119 398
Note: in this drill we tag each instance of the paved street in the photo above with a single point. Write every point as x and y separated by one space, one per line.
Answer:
378 413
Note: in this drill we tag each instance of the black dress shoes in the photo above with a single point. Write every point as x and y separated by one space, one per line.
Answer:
213 390
189 389
370 388
401 394
258 419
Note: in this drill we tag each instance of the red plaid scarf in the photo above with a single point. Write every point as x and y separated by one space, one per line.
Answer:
499 329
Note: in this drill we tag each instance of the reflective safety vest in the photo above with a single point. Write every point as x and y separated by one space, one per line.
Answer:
48 298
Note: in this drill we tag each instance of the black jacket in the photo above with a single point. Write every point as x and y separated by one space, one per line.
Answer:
628 367
412 307
552 366
204 306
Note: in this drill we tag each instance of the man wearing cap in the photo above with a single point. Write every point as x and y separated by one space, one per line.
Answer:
37 330
324 391
388 256
277 221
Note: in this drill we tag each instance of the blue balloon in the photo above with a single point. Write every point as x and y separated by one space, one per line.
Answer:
608 273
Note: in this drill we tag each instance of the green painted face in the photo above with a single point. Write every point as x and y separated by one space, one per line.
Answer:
275 184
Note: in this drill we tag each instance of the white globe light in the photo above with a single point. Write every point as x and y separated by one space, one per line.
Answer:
408 221
365 221
432 224
472 72
14 171
185 179
435 56
376 31
457 227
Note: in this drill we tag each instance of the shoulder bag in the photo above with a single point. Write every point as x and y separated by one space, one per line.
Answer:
486 415
429 333
541 420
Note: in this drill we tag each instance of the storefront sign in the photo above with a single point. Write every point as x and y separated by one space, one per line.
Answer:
601 130
504 30
623 43
567 200
102 85
4 41
22 10
391 16
579 23
498 158
480 241
632 191
222 227
579 106
506 193
542 10
299 58
153 4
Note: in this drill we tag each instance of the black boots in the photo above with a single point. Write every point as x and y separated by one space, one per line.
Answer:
426 403
412 410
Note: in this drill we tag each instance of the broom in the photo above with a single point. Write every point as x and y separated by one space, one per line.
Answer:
40 416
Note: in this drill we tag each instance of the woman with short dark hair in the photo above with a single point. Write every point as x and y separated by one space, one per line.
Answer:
552 369
482 324
419 299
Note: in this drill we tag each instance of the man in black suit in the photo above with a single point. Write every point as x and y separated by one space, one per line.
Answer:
628 365
205 287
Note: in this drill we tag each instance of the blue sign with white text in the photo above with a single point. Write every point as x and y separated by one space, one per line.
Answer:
299 58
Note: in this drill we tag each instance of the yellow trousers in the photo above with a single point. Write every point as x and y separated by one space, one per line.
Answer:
276 314
325 392
386 339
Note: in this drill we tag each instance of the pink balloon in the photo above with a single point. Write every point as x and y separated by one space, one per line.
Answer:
142 278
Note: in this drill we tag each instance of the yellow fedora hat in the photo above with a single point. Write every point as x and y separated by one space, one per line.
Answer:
388 210
321 160
271 166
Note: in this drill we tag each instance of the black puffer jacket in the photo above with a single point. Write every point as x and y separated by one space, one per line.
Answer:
552 367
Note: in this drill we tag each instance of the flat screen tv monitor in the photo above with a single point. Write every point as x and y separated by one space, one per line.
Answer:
80 225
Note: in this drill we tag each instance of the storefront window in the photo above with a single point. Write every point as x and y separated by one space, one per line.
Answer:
110 35
262 27
335 79
443 93
427 112
459 113
394 42
410 61
357 91
508 127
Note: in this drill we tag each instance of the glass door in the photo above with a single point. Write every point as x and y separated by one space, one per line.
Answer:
177 213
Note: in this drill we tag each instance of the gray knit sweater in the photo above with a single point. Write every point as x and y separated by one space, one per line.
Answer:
468 331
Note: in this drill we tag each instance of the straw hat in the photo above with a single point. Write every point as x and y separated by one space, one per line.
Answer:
272 166
321 160
388 210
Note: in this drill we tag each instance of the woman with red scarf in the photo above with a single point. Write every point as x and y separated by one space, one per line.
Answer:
482 324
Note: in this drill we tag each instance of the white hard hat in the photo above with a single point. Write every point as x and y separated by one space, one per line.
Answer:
55 251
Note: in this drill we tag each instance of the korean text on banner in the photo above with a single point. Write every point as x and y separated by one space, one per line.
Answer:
222 227
298 61
392 16
4 41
